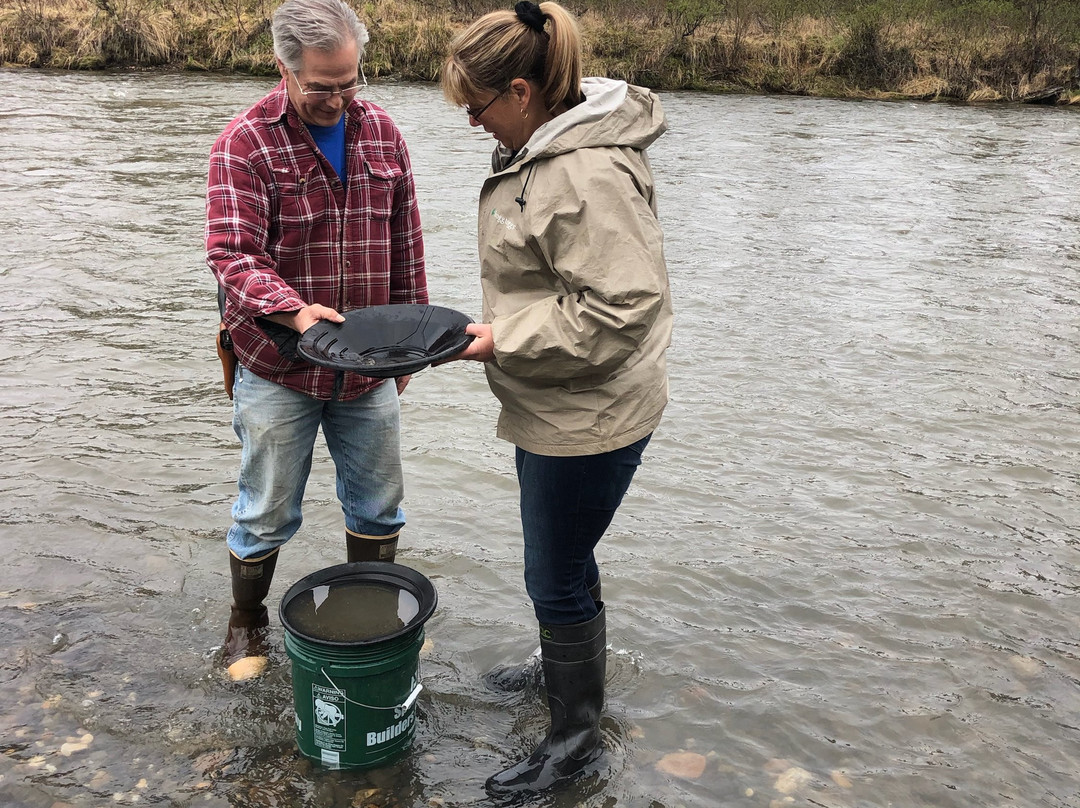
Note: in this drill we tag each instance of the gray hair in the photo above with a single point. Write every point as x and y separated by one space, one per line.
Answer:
320 24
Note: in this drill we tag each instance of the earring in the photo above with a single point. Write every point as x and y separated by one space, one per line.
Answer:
524 114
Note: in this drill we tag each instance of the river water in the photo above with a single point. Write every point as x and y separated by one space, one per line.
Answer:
846 575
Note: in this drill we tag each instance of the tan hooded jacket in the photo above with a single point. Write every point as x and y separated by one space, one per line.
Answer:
574 281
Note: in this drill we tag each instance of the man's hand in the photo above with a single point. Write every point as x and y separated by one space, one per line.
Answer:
303 319
402 382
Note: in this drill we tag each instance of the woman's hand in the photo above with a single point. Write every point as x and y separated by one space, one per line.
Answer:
481 349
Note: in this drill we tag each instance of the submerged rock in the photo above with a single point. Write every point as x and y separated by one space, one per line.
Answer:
247 668
1025 665
792 780
365 797
840 778
776 765
69 748
687 765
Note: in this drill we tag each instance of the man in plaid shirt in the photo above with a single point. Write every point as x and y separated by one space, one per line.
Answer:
311 211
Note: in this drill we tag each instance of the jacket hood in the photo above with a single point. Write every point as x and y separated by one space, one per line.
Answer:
613 113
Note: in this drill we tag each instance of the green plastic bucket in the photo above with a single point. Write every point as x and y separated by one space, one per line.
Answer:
354 633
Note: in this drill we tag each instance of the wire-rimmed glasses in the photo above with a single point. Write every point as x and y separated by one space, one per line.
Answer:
346 93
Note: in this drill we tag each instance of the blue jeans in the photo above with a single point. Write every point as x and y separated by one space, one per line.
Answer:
566 505
277 429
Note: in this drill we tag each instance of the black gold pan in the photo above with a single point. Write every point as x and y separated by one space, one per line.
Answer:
386 341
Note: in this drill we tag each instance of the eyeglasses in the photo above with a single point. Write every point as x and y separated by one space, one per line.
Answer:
476 113
346 93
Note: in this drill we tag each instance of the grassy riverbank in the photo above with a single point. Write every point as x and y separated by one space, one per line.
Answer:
973 50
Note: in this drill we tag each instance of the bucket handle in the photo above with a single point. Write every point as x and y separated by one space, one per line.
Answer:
405 705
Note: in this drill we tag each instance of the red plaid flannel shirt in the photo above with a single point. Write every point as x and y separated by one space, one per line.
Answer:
283 232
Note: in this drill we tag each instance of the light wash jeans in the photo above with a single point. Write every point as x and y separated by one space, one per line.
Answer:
277 429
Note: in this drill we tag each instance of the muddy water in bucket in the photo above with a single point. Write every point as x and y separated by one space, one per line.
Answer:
354 633
352 611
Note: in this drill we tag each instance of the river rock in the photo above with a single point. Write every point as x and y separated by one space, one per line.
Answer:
792 780
213 761
1025 665
776 765
100 778
687 765
247 668
364 797
840 778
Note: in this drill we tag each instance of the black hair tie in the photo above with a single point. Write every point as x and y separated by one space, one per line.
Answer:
531 15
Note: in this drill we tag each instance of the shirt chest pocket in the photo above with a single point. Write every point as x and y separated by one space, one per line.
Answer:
380 182
304 199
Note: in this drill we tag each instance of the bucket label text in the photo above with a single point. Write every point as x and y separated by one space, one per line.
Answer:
328 728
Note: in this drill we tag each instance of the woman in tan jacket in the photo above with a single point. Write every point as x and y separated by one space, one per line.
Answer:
576 320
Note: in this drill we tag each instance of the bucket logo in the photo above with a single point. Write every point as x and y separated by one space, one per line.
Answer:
327 713
391 732
402 709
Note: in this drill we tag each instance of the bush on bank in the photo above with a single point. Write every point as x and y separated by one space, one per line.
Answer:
978 50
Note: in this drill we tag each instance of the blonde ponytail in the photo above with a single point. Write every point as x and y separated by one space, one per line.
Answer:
562 67
543 46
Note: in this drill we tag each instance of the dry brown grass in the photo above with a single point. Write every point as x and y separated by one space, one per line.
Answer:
984 94
407 40
925 87
130 32
86 34
32 31
643 41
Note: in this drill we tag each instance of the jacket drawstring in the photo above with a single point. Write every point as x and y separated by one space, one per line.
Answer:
521 199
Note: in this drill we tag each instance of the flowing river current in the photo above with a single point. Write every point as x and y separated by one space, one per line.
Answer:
846 575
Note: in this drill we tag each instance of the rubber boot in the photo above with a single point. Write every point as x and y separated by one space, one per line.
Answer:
370 548
246 643
575 661
518 677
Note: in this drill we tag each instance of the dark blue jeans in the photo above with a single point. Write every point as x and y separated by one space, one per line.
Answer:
566 505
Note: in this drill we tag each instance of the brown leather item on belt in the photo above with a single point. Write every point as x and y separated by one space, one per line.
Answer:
227 356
